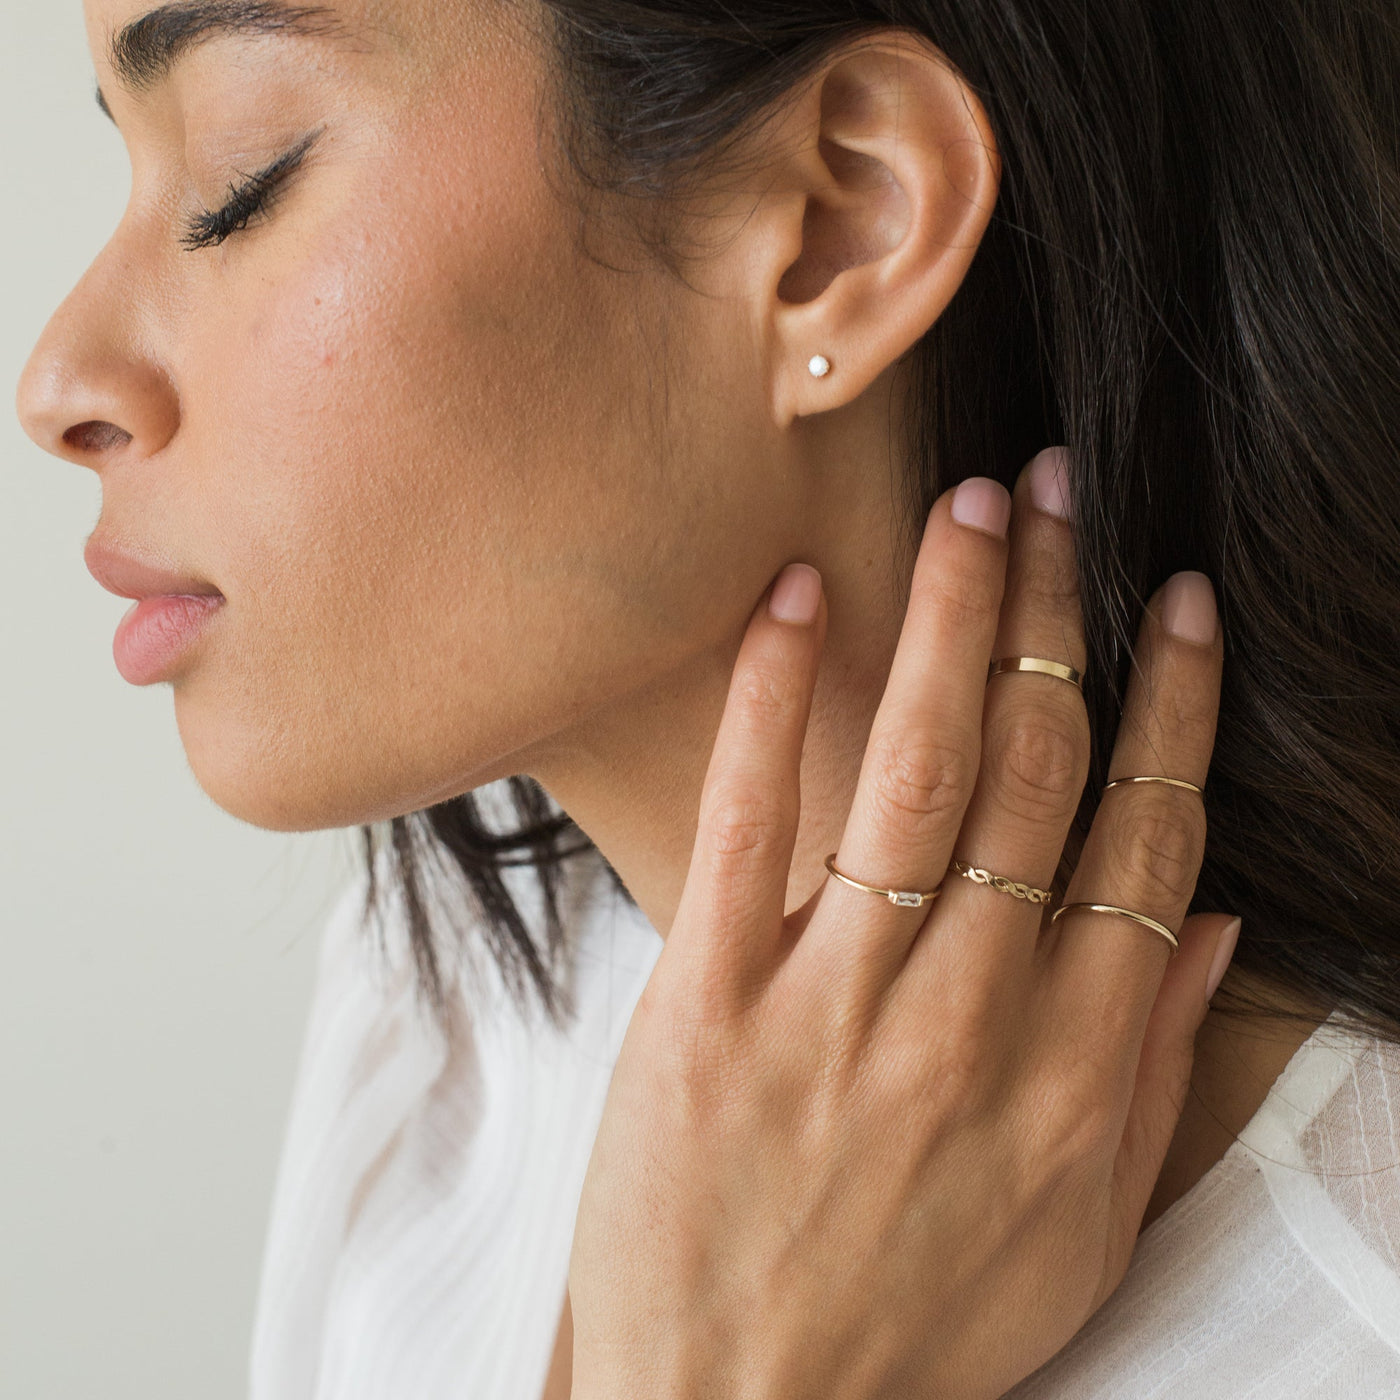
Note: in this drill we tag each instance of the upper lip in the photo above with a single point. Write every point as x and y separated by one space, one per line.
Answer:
128 576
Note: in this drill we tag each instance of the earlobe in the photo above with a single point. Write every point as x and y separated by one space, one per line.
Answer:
897 169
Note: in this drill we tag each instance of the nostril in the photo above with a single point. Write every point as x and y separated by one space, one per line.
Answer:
96 436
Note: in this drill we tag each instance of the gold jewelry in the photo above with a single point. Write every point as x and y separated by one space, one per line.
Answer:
1035 663
1175 782
1127 913
905 899
1000 882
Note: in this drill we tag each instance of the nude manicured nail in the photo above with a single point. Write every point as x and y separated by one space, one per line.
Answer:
1049 483
1224 951
796 595
1188 607
983 504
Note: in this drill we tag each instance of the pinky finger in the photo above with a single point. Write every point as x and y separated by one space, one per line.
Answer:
729 923
1164 1069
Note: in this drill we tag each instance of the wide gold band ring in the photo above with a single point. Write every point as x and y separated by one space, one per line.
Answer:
1001 883
904 899
1127 913
1035 663
1175 782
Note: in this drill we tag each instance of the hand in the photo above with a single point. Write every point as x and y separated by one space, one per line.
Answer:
864 1150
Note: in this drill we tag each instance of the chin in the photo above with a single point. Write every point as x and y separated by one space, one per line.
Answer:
267 773
270 795
300 775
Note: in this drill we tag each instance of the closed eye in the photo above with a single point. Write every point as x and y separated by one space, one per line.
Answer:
250 196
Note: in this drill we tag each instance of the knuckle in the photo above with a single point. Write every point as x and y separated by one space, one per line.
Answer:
958 1071
708 1069
1175 1083
1076 1119
680 1025
697 1029
1059 586
1160 848
1038 759
964 598
1189 718
745 828
920 780
1173 712
764 694
966 1082
943 1085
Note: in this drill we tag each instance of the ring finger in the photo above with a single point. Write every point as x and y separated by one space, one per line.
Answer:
1145 846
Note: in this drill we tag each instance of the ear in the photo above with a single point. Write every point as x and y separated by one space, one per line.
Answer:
880 179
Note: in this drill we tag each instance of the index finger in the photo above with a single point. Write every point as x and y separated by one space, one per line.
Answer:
729 922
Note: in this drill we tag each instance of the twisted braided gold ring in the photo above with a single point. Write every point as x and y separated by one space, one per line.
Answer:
1000 882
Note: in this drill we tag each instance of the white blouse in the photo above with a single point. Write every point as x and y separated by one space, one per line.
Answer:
425 1200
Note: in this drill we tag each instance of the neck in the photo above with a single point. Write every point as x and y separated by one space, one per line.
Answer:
634 784
631 775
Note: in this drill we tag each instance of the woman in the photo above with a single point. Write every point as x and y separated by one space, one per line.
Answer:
576 393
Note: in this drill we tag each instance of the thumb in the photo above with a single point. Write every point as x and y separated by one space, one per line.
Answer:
1168 1051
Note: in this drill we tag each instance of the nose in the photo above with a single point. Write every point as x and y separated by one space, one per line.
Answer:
94 387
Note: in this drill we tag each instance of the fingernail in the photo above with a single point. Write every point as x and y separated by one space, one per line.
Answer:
1188 607
1224 951
983 504
796 595
1050 482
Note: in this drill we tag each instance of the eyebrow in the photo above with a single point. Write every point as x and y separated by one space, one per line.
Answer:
143 52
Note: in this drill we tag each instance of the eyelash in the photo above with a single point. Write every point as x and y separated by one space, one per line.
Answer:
253 195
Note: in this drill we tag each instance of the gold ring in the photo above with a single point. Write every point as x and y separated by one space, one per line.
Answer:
1035 663
1000 882
1127 913
1175 782
904 899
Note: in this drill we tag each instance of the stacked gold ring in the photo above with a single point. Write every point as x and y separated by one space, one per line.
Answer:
915 899
905 899
1152 778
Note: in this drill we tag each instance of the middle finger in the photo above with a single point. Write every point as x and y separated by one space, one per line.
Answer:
1035 750
920 764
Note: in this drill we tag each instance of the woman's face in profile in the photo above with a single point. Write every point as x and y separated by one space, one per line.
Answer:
461 481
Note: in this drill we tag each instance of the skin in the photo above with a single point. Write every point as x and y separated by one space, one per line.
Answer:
484 498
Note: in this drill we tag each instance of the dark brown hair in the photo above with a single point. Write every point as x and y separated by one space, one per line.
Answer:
1190 280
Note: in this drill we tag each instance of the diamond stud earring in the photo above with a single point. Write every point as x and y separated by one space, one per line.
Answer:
818 366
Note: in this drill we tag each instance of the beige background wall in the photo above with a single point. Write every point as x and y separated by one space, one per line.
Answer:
155 955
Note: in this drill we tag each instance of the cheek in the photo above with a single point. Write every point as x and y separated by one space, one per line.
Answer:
431 499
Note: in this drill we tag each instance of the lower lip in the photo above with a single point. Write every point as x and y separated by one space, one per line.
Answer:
153 635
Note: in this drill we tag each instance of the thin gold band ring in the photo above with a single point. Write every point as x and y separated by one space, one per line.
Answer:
1127 914
1175 782
904 899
